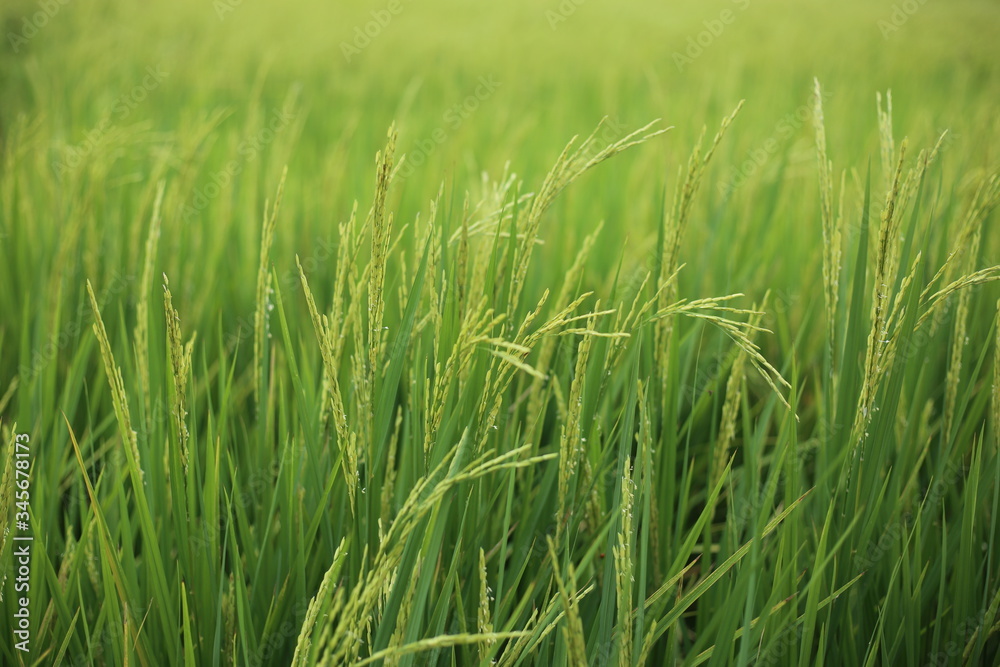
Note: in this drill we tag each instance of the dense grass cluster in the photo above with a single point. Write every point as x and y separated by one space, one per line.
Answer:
548 383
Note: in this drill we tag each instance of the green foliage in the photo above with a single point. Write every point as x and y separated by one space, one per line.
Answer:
722 388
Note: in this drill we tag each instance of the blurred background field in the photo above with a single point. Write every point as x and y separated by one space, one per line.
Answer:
559 73
101 101
560 69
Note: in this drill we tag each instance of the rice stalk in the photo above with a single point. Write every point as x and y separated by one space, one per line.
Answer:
985 199
264 291
389 483
483 614
547 348
381 226
403 617
624 570
145 287
229 620
569 166
346 436
734 393
473 332
573 630
90 559
935 302
525 341
362 374
341 642
886 263
648 481
527 642
180 364
319 604
348 246
959 340
627 323
69 551
513 650
438 642
832 228
9 394
570 445
674 225
886 144
647 643
738 332
118 396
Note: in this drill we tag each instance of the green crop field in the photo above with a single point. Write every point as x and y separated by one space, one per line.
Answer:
553 332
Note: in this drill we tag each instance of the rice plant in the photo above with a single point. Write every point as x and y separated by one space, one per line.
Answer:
400 369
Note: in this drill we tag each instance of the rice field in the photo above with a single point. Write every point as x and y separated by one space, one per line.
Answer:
431 332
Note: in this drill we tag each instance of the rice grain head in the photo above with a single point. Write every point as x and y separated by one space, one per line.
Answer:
624 570
180 363
118 395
